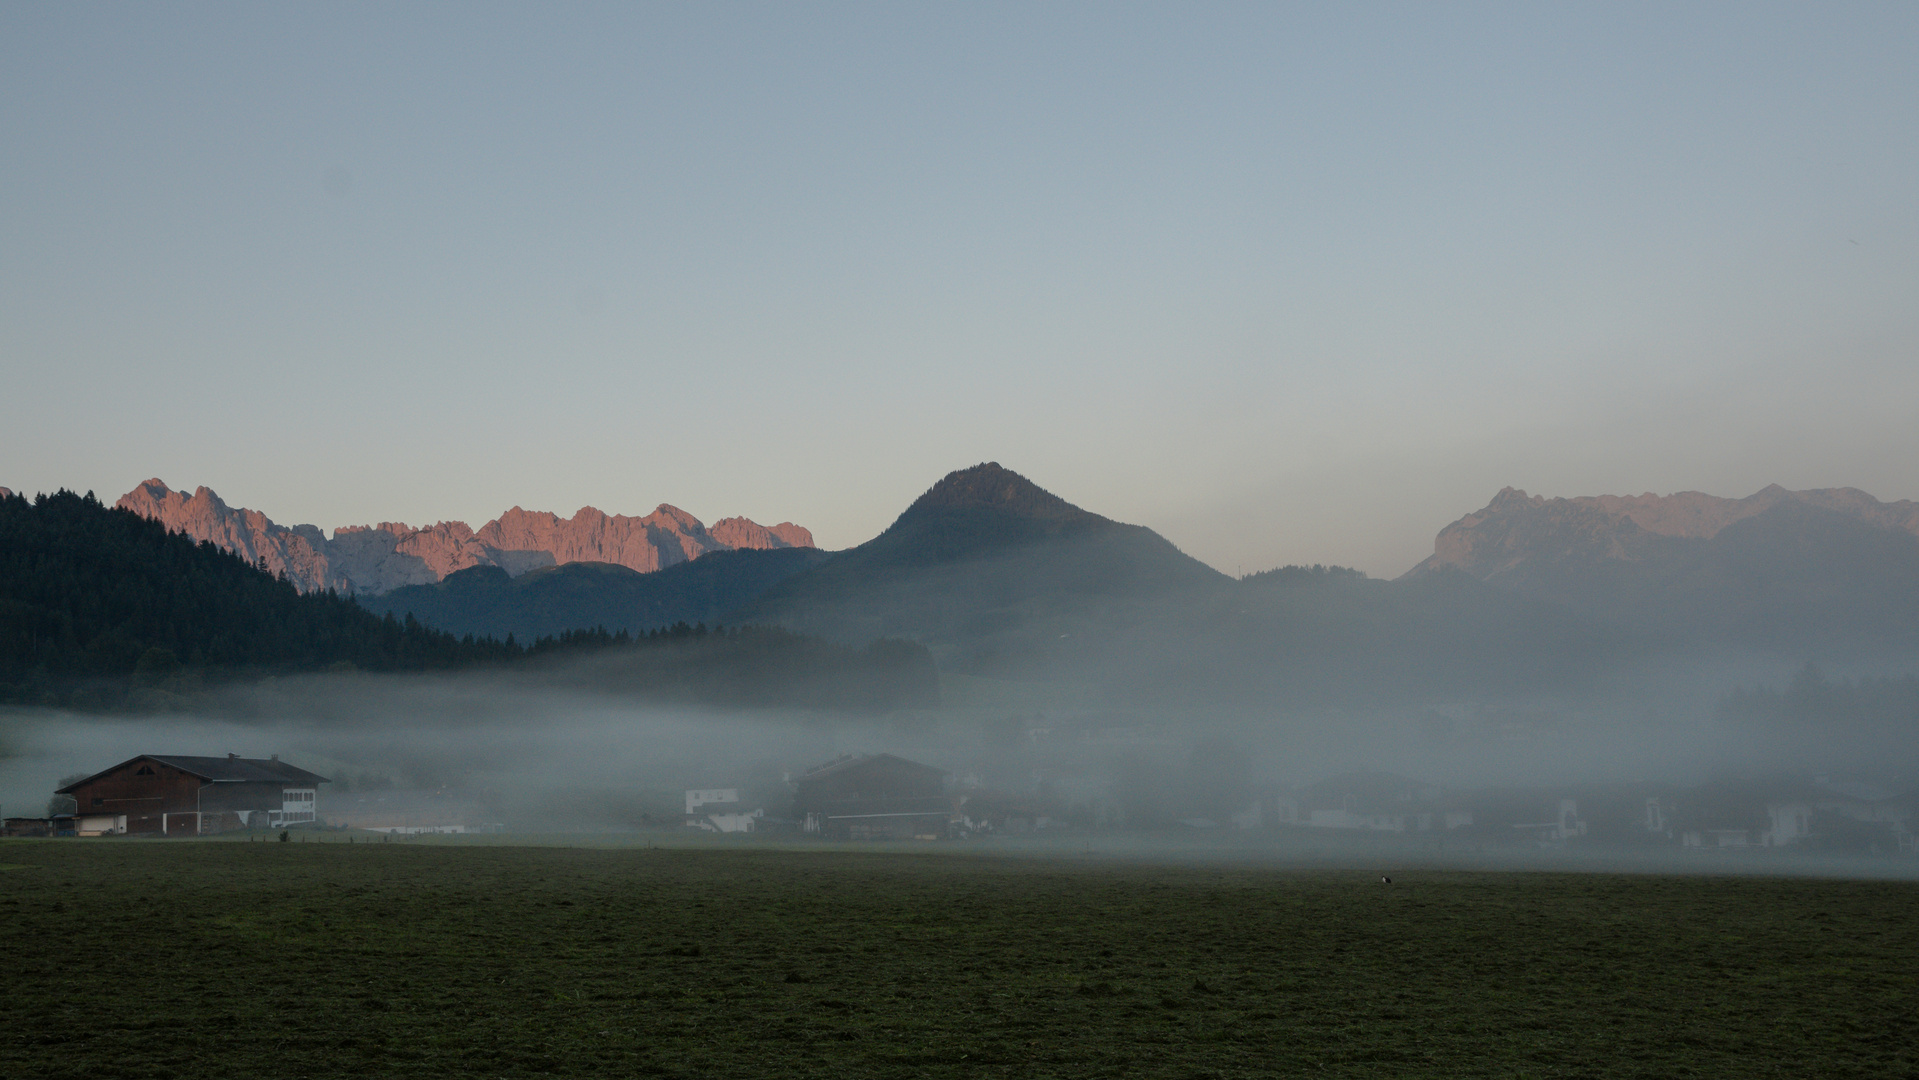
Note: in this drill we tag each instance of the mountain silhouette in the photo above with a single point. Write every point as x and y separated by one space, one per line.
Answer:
985 563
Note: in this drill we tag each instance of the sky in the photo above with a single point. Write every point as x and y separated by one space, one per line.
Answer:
1286 283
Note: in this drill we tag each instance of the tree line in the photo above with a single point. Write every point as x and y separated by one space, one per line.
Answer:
1810 699
98 603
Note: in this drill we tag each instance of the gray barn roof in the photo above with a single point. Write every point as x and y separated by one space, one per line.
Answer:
852 761
219 770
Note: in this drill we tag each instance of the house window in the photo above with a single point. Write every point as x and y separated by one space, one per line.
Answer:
295 805
144 770
98 801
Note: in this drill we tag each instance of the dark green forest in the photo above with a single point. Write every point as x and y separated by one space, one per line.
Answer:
103 609
88 591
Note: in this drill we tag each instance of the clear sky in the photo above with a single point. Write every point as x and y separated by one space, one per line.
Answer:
1287 283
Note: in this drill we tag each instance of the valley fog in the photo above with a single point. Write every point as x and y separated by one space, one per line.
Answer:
1061 767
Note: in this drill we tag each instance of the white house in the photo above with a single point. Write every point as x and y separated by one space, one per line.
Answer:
719 810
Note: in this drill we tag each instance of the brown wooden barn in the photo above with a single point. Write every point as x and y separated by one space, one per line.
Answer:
876 796
191 796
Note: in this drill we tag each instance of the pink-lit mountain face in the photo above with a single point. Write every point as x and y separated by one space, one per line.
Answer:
372 559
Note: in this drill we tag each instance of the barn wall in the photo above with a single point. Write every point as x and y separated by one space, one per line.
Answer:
143 799
244 796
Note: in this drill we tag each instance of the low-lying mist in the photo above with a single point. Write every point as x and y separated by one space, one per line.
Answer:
541 757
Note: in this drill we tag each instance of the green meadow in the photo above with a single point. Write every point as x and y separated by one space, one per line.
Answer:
138 958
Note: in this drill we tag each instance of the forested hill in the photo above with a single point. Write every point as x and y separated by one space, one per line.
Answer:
102 608
90 592
485 600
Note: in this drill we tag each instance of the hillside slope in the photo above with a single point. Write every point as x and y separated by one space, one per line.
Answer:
89 592
484 600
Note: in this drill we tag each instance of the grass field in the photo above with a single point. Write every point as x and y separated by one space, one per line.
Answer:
288 960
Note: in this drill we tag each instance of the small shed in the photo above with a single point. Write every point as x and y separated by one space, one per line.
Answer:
172 795
874 796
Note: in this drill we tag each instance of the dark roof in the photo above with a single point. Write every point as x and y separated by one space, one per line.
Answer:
851 761
218 770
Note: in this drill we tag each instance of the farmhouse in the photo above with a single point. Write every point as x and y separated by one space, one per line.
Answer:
876 796
191 796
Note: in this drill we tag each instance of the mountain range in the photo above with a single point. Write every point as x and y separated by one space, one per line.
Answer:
1517 535
102 609
997 576
1776 568
375 559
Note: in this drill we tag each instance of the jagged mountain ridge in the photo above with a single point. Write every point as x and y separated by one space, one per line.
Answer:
375 559
1515 533
1790 569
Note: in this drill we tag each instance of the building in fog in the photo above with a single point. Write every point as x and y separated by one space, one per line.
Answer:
1372 801
875 796
193 796
719 810
1840 814
407 812
26 826
1561 827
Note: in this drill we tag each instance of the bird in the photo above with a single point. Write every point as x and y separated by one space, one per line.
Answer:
1385 880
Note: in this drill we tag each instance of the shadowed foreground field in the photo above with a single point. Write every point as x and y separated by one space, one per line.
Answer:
157 959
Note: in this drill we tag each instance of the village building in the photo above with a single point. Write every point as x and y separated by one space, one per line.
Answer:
1371 801
1656 823
1824 813
981 812
26 826
719 810
402 812
192 796
877 796
1838 814
1564 826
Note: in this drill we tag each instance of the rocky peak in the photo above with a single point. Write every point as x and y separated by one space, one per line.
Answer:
680 519
990 486
247 533
1512 498
739 532
379 558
